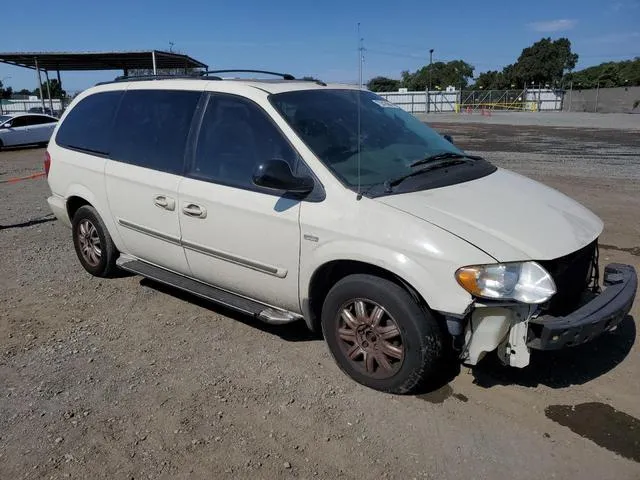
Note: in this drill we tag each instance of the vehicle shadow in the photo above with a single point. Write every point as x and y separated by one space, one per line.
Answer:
291 332
562 368
29 223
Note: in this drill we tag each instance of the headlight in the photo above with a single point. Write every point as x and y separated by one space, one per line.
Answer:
525 282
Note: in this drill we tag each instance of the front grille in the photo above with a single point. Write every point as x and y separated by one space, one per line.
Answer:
572 275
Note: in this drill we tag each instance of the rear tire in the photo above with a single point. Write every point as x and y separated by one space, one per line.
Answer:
381 336
94 246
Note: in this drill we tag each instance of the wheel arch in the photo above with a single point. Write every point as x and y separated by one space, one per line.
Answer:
329 273
73 203
77 196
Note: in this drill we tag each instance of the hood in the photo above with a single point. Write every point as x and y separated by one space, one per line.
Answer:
508 216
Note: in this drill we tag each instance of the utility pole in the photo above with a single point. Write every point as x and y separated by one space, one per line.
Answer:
360 57
430 66
429 85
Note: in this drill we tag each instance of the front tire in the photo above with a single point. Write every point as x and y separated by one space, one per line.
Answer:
94 246
381 336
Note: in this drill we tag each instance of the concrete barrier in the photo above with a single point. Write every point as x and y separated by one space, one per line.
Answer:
603 100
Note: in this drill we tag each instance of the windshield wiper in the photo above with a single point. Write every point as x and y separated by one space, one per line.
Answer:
434 165
443 156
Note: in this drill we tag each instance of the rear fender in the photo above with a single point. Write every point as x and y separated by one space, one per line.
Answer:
79 190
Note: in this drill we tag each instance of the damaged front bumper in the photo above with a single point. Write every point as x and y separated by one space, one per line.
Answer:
601 314
512 330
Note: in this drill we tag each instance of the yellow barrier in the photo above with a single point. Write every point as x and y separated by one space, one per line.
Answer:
517 106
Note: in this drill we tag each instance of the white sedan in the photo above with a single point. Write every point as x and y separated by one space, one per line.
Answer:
26 129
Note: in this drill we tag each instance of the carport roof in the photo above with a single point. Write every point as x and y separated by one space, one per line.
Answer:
70 61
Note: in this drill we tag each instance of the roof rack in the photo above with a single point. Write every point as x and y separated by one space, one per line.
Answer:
285 76
208 75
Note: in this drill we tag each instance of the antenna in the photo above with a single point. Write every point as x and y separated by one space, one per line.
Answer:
360 60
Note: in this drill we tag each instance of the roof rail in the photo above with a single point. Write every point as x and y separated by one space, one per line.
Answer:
285 76
140 78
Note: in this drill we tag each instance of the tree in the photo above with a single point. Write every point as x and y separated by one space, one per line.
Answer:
24 92
54 86
145 72
5 92
383 84
608 74
493 80
442 74
545 62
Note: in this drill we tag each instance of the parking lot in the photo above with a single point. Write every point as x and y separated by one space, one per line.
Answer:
124 378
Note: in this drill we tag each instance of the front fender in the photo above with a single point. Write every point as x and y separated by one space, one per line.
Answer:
436 284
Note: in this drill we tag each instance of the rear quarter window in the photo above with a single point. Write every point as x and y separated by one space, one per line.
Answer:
88 125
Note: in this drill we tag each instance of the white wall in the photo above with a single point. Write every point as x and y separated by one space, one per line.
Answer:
416 102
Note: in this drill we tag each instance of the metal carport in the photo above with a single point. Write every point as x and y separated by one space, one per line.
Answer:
84 61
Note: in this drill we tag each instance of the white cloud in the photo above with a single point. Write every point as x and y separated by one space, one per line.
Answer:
559 25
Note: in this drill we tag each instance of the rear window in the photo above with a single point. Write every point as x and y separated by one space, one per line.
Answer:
152 127
88 125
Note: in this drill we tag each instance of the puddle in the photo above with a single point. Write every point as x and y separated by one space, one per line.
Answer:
437 396
602 424
440 395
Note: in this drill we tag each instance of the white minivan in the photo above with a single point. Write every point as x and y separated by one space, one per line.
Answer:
292 200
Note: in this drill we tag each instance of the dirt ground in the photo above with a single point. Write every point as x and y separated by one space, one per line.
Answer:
126 379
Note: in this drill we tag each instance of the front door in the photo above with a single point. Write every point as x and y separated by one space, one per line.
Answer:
236 235
145 171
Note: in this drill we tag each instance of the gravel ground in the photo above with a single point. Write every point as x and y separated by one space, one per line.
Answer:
124 378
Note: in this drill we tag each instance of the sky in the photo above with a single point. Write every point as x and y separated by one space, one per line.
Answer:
317 38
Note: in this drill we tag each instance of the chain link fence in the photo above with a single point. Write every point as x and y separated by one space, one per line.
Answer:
467 101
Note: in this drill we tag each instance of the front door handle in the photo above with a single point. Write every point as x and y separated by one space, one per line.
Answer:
165 202
193 210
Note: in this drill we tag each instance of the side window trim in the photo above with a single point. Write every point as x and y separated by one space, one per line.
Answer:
194 133
317 194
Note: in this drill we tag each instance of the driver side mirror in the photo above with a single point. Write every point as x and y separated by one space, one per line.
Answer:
6 125
277 175
448 138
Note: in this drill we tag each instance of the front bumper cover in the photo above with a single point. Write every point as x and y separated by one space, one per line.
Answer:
601 314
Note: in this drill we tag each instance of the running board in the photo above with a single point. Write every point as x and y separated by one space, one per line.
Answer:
265 313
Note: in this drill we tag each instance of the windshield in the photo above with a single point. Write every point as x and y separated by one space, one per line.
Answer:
391 139
4 118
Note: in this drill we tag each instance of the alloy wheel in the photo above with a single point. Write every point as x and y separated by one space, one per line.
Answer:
89 241
370 338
